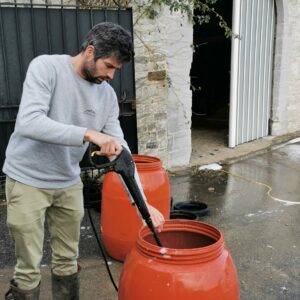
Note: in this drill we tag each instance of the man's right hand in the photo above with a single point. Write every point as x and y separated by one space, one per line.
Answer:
109 146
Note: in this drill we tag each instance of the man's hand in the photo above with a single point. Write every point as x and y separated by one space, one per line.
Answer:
109 146
158 219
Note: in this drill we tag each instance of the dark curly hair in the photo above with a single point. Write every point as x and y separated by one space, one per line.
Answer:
110 39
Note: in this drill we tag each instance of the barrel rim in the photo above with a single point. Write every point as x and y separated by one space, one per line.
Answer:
183 256
145 162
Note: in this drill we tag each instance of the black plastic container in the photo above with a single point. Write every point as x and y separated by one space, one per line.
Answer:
178 214
198 208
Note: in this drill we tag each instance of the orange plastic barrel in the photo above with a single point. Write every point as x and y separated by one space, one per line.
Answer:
193 264
119 219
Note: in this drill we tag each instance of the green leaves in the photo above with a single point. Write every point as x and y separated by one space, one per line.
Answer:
205 11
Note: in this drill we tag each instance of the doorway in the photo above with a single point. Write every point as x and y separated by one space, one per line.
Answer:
210 79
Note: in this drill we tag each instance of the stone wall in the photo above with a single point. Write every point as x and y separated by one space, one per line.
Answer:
151 85
163 57
286 88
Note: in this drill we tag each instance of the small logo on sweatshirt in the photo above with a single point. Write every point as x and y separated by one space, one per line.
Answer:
90 112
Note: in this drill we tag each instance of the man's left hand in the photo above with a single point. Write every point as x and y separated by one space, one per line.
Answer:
157 217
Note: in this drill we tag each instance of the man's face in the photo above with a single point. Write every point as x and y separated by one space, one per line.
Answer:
100 70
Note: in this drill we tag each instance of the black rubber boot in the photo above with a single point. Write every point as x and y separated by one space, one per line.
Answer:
65 287
15 293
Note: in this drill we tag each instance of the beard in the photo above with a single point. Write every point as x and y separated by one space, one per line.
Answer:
88 75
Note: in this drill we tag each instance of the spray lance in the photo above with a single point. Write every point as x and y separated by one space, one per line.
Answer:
124 166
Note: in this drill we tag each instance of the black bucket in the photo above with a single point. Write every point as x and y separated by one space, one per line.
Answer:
198 208
178 214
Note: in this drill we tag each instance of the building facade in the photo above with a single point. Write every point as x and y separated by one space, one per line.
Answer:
163 61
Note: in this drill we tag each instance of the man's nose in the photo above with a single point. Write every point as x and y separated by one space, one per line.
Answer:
111 73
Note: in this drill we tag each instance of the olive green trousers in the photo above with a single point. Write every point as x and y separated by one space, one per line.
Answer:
27 209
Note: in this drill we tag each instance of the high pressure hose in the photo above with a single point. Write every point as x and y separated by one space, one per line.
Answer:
102 250
124 166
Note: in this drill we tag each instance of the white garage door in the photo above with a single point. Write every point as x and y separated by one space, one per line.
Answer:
251 70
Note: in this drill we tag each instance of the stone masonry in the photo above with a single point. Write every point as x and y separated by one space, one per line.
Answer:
151 86
163 56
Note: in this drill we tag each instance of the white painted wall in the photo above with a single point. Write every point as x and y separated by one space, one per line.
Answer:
151 95
179 60
286 88
164 106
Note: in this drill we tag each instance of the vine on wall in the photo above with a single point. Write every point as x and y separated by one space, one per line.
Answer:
151 9
205 9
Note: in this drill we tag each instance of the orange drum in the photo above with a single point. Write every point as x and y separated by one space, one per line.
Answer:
192 264
119 218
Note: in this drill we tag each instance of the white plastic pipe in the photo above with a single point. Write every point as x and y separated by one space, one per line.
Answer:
234 72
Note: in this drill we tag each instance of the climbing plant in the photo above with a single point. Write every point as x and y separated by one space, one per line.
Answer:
151 9
205 10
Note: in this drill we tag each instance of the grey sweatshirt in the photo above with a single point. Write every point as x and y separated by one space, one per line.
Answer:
57 107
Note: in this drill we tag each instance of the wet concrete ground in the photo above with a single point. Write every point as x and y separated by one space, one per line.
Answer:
255 203
261 229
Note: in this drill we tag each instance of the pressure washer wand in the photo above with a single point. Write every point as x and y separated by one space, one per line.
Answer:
124 166
135 193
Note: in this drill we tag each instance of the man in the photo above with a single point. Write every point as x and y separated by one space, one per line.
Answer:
66 104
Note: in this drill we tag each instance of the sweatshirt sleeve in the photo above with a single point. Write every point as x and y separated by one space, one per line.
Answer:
33 121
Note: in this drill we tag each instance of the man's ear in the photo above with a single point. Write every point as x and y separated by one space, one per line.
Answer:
89 51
